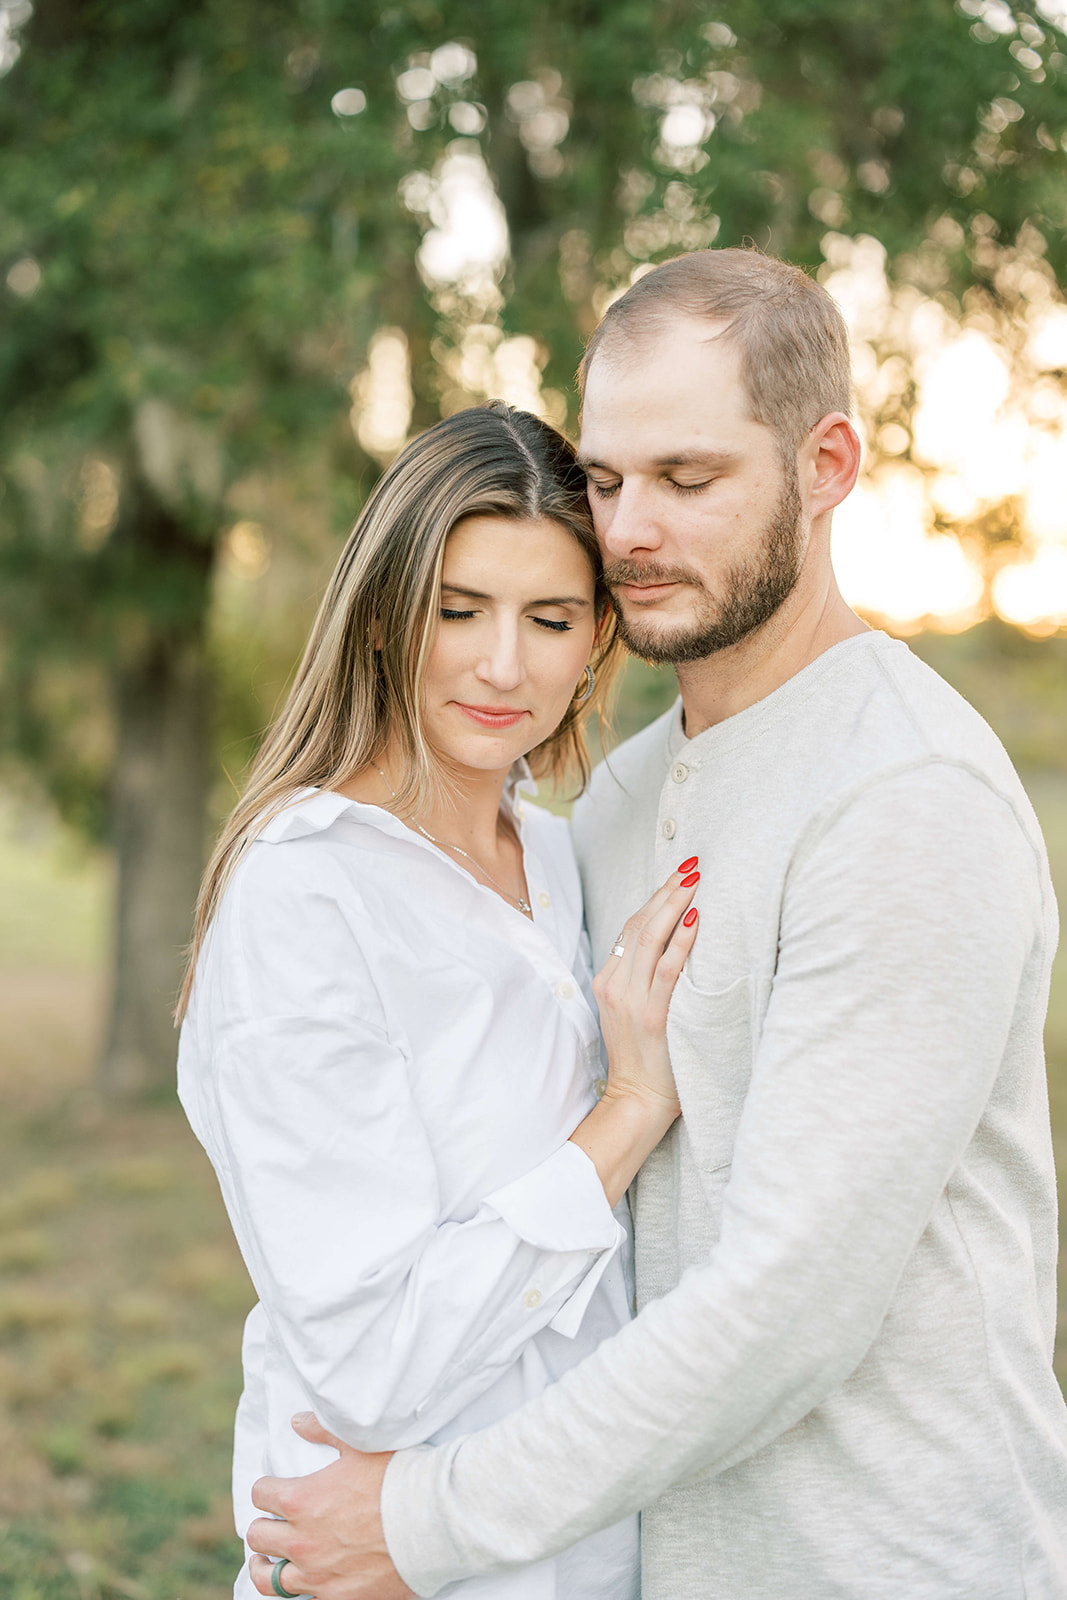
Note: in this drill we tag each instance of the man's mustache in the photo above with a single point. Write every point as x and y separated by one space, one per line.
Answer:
648 572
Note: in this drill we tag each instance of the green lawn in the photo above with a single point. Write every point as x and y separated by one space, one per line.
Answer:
121 1293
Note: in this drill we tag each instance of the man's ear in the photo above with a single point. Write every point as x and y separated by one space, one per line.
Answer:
829 462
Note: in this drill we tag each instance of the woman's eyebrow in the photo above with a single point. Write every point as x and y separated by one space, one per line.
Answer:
473 594
468 594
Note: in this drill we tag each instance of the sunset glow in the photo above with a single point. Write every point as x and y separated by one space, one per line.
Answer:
988 430
984 436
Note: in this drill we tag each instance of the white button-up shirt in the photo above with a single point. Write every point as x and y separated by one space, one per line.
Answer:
384 1061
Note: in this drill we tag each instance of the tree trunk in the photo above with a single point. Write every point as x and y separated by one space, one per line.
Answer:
159 822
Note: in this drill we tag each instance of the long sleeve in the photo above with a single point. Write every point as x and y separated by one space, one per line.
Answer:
393 1318
911 927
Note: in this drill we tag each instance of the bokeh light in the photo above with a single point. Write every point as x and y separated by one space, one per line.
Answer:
24 278
348 103
467 241
381 395
988 438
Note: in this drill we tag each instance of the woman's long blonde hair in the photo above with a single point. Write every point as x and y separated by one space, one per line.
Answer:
359 683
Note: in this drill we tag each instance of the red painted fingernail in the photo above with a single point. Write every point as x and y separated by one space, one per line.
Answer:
694 877
690 917
687 866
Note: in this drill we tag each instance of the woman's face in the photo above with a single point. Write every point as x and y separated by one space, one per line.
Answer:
515 632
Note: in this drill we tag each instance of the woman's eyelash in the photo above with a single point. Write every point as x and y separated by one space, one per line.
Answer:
447 615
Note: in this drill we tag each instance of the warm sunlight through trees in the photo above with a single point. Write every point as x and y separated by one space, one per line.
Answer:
248 248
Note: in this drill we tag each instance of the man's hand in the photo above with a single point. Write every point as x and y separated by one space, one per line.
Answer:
332 1528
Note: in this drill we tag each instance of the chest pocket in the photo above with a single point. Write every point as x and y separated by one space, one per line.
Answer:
710 1038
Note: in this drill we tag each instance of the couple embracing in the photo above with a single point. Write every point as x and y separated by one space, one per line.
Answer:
821 922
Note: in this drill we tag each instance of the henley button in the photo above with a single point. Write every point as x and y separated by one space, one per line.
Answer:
679 772
532 1299
544 900
565 990
669 828
600 1085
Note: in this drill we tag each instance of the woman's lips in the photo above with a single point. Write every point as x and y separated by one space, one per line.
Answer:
491 716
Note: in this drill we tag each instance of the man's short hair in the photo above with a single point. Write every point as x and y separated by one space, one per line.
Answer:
792 337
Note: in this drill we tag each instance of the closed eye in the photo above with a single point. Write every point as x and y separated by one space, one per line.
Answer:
449 615
607 491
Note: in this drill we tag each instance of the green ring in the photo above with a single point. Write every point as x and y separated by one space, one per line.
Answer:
276 1582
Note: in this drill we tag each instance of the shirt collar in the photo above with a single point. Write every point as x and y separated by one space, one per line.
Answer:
754 720
520 781
311 810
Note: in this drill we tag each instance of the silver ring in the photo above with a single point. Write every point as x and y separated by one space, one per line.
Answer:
276 1580
618 950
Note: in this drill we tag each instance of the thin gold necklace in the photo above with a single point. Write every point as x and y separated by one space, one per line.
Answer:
442 844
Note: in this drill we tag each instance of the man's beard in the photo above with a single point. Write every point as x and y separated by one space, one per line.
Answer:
754 591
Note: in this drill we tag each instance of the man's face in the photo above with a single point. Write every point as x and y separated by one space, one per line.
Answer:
699 520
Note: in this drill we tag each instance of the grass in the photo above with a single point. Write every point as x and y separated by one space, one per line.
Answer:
121 1301
122 1295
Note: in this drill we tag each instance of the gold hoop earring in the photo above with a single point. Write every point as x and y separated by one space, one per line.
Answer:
590 680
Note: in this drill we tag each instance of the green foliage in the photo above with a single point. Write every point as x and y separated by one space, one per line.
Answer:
198 248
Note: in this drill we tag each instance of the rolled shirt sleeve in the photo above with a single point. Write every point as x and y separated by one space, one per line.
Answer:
911 931
561 1205
394 1318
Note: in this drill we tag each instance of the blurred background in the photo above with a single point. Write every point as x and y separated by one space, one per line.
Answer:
246 250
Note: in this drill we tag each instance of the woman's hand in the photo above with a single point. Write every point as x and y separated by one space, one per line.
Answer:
633 991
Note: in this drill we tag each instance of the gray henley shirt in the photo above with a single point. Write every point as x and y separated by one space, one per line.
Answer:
839 1385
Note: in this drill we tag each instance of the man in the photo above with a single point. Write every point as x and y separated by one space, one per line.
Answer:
839 1383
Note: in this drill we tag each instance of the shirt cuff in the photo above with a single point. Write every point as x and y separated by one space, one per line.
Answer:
560 1205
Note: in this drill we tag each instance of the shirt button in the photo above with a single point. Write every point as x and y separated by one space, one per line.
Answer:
532 1299
669 828
544 900
600 1085
565 990
679 772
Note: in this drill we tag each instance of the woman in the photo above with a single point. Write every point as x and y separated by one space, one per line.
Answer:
391 1052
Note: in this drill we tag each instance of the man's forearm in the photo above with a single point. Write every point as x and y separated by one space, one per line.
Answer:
673 1394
